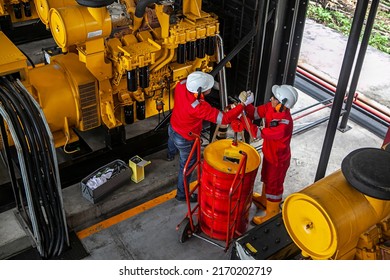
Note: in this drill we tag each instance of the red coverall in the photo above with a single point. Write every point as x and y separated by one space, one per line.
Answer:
189 112
276 147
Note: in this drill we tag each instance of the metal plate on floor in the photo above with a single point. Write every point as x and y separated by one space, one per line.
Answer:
267 241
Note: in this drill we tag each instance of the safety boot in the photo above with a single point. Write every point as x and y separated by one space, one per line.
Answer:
260 200
272 209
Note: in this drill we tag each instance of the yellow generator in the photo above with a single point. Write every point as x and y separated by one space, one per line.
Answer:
345 215
18 10
120 60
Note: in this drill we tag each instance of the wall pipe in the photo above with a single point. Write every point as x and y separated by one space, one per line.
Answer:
317 80
360 116
358 101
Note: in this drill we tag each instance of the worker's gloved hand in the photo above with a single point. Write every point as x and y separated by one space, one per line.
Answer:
243 96
246 97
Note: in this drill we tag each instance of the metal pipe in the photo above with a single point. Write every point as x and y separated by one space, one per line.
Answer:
359 63
207 240
382 117
313 111
302 129
221 74
311 125
233 53
346 67
373 104
317 80
163 57
169 59
361 117
359 101
313 105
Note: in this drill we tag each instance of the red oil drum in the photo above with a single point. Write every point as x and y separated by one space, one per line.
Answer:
219 167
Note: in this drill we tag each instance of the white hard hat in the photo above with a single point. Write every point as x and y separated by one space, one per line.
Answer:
286 94
199 79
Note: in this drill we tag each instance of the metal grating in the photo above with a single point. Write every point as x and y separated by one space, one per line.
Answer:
89 106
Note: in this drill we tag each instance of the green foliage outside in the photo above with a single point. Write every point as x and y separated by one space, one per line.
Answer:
342 21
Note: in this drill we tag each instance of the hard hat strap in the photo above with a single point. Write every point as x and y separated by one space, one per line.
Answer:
199 92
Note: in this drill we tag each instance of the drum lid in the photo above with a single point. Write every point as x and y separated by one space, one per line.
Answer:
368 171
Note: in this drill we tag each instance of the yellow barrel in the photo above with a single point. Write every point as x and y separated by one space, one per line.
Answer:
75 25
220 166
43 7
326 219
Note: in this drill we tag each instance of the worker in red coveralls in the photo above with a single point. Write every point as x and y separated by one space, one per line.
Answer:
277 133
189 112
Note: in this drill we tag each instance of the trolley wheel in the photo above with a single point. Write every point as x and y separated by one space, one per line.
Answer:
184 230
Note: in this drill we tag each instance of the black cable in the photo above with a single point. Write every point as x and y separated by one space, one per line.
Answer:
55 196
25 148
48 170
40 166
26 137
169 93
48 173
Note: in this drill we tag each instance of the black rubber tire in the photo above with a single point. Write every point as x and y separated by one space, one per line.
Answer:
184 230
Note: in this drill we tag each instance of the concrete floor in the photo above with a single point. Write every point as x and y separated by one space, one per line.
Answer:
150 232
152 235
117 228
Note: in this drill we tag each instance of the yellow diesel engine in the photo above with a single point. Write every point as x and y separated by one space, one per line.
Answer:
345 215
120 60
18 10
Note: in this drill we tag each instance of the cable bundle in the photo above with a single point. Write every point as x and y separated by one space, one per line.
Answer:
38 165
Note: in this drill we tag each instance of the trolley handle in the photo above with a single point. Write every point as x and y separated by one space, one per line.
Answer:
236 185
187 172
